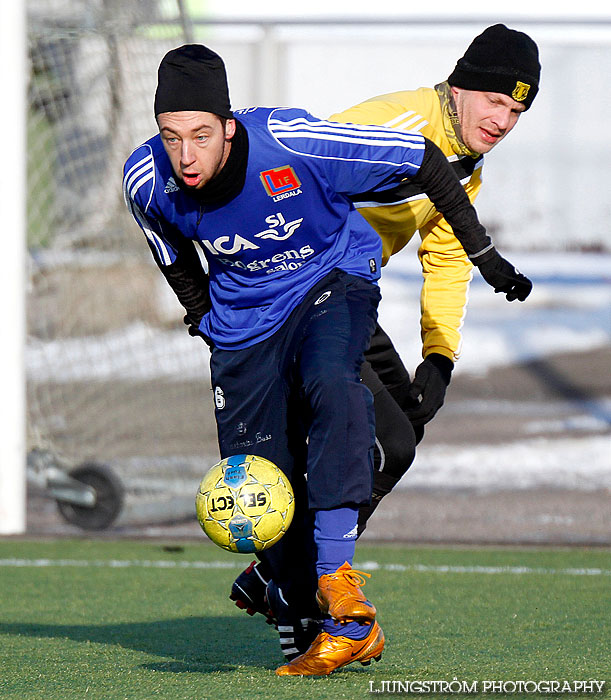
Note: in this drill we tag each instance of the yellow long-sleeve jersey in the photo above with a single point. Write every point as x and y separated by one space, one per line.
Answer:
398 214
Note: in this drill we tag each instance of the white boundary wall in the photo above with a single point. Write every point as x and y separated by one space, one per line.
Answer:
12 278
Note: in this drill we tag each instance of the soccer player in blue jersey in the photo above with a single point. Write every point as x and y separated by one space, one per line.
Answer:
287 306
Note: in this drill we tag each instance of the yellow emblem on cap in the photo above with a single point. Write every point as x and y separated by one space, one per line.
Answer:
520 91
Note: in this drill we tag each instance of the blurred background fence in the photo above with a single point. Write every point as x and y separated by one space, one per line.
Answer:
111 375
93 74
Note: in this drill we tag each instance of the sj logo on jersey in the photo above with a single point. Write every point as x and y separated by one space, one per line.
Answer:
281 182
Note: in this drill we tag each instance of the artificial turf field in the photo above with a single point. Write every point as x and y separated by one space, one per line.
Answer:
119 620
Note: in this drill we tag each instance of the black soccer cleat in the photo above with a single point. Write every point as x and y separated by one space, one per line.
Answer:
297 631
254 594
249 593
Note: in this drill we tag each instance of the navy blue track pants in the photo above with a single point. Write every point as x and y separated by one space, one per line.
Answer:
296 398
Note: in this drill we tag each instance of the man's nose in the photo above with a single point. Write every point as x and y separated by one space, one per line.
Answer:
503 118
187 153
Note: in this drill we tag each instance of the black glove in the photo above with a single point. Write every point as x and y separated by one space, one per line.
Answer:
504 277
193 328
427 391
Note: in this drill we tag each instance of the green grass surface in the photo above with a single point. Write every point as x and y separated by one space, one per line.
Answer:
110 624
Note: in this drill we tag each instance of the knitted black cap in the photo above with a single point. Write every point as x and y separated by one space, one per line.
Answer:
500 60
192 78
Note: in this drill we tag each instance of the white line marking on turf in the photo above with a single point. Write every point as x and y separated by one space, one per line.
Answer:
122 563
447 569
367 565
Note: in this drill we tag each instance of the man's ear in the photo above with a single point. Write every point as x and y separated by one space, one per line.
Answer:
229 129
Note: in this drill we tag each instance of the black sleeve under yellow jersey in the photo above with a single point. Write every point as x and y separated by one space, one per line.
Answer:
396 215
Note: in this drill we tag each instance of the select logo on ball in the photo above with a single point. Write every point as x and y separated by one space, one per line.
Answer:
245 504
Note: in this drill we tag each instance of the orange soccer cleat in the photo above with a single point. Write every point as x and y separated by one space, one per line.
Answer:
340 596
326 654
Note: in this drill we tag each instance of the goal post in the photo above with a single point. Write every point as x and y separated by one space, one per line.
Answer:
12 278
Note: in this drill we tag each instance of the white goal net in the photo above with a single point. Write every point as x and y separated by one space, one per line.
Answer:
112 376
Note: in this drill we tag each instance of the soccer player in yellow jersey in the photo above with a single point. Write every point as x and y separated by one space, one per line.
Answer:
466 116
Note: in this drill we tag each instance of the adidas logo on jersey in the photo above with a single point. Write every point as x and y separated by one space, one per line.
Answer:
171 186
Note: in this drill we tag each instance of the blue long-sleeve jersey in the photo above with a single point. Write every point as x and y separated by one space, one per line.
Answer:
291 224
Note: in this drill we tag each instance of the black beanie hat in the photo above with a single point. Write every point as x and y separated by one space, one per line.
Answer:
192 78
500 60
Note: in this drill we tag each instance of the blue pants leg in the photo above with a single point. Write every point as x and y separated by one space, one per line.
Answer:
257 412
296 399
342 429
